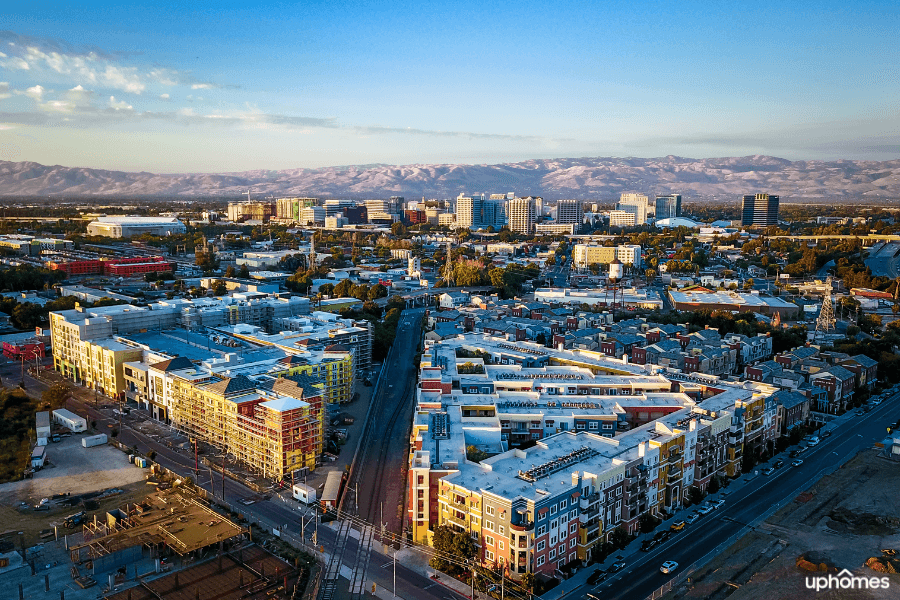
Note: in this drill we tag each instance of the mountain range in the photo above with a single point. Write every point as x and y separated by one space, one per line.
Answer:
575 178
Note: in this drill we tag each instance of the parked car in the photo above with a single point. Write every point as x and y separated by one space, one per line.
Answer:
716 503
677 526
778 464
826 434
691 518
768 471
797 463
597 576
668 567
860 412
705 509
813 441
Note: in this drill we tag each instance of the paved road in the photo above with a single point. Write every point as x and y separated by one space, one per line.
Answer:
641 576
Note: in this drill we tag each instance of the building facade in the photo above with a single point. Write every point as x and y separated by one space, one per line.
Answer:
760 210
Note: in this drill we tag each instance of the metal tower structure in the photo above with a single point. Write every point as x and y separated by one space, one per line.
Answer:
826 320
448 269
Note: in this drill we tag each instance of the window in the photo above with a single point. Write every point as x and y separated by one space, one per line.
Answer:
489 525
562 505
542 516
572 543
553 511
540 546
554 523
502 530
573 528
489 555
592 425
501 544
489 540
579 426
489 510
563 520
540 561
552 553
542 530
573 515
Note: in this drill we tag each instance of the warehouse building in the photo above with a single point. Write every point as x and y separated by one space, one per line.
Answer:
123 227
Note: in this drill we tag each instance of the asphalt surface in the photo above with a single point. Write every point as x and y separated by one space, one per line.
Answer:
742 508
384 447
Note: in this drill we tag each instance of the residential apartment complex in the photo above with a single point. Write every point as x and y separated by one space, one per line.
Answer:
570 212
521 215
607 442
585 255
636 204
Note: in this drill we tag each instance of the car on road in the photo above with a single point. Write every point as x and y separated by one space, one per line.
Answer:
877 401
705 509
813 441
860 412
597 576
691 518
768 471
717 503
617 566
677 526
668 567
797 463
826 434
778 464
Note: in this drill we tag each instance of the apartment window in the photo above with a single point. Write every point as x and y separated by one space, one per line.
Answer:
553 511
572 543
554 524
489 525
489 540
489 555
573 515
501 544
579 426
592 425
540 546
542 516
563 519
542 530
540 561
562 505
502 530
552 553
489 510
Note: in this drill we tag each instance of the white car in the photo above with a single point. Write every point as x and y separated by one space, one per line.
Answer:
813 441
668 567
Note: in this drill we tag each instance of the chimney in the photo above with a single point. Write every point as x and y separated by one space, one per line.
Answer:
641 449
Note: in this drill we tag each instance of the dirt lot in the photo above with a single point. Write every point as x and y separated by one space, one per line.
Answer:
841 522
83 474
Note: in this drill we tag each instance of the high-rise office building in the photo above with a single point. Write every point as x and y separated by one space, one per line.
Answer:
637 204
570 211
668 207
479 212
520 212
287 210
759 210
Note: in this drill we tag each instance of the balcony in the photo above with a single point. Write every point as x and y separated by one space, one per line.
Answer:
462 523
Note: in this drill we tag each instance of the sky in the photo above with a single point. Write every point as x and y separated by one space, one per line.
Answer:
177 88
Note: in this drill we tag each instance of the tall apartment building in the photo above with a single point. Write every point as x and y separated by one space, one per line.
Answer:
570 211
312 215
668 207
759 210
638 204
288 210
521 215
384 210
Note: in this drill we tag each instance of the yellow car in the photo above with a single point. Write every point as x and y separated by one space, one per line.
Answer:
677 526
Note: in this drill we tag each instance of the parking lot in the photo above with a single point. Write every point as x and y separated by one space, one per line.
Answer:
73 469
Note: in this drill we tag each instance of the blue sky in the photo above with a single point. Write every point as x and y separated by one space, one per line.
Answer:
176 88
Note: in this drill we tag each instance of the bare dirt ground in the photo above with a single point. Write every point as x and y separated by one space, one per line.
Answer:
841 522
82 473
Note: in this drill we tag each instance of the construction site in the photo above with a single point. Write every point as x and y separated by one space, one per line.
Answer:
170 544
849 520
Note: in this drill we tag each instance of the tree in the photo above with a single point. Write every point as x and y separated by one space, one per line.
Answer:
456 545
230 271
748 285
207 261
244 273
648 522
56 395
343 288
619 538
398 229
219 288
474 454
377 291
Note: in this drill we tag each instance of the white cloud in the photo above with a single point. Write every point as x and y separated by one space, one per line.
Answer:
14 63
164 96
4 90
186 112
119 105
202 86
36 93
58 106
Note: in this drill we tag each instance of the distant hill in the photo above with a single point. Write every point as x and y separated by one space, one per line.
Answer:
579 178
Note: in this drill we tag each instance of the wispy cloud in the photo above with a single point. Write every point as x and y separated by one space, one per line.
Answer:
88 65
4 90
119 104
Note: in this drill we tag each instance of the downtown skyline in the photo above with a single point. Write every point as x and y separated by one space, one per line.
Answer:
171 89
